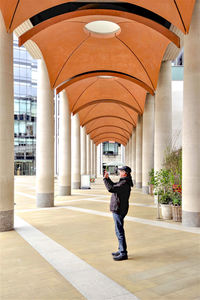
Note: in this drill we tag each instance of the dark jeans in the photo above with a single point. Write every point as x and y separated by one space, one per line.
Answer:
119 229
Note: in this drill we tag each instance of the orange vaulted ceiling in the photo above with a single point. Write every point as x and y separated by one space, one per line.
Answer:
76 59
177 12
69 50
113 111
96 90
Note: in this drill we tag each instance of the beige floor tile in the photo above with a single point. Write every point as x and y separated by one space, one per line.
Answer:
163 263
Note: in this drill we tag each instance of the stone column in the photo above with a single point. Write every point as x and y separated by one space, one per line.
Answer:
64 147
95 161
134 155
76 163
191 124
130 152
139 153
88 155
83 152
6 130
45 139
92 157
148 142
126 154
163 115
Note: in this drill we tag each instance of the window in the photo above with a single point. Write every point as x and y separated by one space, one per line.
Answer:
110 148
16 127
22 106
22 72
23 89
33 109
22 127
16 106
16 88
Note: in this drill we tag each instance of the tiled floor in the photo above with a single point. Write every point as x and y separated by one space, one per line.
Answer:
163 263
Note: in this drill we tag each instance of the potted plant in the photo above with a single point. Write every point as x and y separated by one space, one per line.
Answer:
151 182
173 162
166 205
177 206
162 184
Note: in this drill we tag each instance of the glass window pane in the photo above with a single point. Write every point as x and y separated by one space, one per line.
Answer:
22 107
16 127
16 106
16 88
22 72
33 109
34 91
22 127
22 89
28 107
22 54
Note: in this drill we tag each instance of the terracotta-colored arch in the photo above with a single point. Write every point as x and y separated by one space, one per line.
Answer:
106 101
107 121
110 133
107 116
113 129
102 110
76 46
103 73
100 12
91 130
110 137
112 90
16 12
117 140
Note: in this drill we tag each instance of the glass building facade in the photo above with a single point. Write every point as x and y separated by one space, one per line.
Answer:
25 106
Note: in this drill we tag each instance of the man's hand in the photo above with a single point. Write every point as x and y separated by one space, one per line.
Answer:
106 175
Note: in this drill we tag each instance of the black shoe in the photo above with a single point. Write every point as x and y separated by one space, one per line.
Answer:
120 257
116 253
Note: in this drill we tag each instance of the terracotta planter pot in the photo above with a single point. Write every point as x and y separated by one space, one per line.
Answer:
177 213
166 211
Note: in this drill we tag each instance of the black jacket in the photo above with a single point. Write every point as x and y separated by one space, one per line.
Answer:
119 202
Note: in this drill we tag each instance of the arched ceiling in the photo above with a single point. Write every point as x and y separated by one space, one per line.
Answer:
96 90
80 52
106 78
177 12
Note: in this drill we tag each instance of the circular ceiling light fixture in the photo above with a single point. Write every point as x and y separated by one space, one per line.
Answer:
106 77
103 29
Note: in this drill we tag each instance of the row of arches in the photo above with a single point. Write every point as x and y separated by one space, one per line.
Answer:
106 75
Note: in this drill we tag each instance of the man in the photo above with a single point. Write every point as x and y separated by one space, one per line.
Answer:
119 205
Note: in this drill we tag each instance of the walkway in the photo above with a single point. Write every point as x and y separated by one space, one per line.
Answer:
64 252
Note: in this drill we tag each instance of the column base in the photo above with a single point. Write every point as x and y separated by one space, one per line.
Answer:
76 185
138 185
45 200
145 189
190 218
6 220
64 190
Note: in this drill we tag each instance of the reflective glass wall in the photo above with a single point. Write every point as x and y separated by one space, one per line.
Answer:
25 106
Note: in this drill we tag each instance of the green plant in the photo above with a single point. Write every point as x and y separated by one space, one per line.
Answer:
162 186
165 198
176 198
151 177
173 162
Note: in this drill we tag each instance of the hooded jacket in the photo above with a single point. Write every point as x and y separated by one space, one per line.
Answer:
119 202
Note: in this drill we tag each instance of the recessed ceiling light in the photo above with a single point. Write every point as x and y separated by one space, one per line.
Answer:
106 76
103 28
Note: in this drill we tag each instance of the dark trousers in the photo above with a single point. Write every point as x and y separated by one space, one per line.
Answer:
119 230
